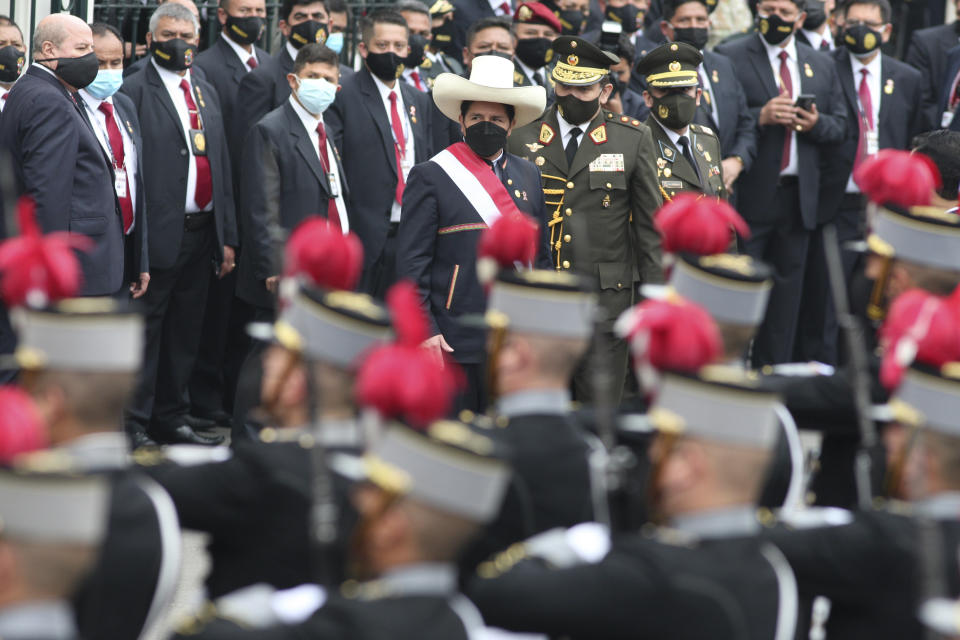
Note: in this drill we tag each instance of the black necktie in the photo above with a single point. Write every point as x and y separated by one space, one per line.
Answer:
538 78
685 147
571 148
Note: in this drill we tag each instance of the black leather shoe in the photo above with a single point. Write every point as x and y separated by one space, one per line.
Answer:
140 439
218 418
185 435
199 424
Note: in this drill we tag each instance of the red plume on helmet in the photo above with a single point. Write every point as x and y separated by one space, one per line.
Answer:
404 380
692 223
920 327
35 268
672 334
21 428
512 239
325 256
898 177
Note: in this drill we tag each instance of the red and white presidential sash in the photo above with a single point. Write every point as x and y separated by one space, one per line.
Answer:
479 184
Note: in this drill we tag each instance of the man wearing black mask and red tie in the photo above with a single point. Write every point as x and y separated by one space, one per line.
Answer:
13 56
456 195
883 98
55 154
192 226
382 127
793 92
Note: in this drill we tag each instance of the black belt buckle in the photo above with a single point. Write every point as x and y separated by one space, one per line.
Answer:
788 181
392 231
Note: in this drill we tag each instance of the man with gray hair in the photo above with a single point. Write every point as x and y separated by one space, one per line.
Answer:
189 194
57 159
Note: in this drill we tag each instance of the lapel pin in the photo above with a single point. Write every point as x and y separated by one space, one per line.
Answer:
888 87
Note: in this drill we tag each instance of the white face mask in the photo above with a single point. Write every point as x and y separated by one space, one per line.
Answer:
316 94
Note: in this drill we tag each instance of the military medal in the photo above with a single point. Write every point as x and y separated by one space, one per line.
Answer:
534 146
667 172
413 114
606 201
661 163
715 77
807 70
888 87
539 161
706 155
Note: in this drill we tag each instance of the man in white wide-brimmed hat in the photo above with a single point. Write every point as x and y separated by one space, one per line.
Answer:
457 194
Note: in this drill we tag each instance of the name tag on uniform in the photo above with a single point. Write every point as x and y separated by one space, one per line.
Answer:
608 162
873 143
334 180
120 182
198 142
673 184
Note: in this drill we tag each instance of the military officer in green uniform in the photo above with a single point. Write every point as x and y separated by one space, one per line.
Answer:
437 59
688 155
599 182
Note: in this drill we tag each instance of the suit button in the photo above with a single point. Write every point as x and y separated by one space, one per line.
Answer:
566 264
569 211
609 186
567 238
183 152
569 185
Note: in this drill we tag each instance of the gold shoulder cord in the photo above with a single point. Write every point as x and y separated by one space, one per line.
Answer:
556 222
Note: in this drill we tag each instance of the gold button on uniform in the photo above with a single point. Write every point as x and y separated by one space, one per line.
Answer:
566 264
609 186
569 185
567 238
569 211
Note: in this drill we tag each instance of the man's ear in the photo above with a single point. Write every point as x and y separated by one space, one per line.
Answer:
886 32
666 30
149 39
390 530
647 99
284 28
221 15
799 23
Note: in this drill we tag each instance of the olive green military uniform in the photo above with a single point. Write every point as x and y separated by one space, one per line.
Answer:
429 70
674 172
601 211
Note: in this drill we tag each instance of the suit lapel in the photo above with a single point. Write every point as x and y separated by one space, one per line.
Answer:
888 97
761 63
285 61
162 96
553 151
374 105
304 145
231 60
416 121
585 156
847 81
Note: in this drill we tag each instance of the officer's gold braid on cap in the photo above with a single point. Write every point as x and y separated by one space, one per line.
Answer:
556 221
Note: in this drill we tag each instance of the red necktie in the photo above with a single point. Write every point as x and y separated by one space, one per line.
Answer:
203 194
399 145
955 93
505 7
866 117
786 88
252 63
116 146
824 45
416 80
333 215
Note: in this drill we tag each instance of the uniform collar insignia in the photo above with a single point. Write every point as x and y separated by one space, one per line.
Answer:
546 134
599 135
666 152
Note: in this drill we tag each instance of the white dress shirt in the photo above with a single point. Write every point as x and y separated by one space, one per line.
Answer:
310 123
171 80
773 52
674 136
291 50
243 54
816 39
874 73
3 100
529 72
409 155
708 86
99 120
566 131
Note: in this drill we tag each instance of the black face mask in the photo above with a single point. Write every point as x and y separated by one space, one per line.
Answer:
76 72
696 36
417 45
11 63
533 51
175 55
572 22
628 16
441 38
816 16
485 138
861 40
386 66
308 32
577 111
244 30
774 29
675 110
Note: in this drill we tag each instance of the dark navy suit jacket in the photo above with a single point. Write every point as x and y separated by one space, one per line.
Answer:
282 183
126 115
901 117
58 160
165 158
360 127
437 246
952 68
818 76
928 53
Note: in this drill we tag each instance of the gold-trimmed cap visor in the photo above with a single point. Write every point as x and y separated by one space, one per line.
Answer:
926 236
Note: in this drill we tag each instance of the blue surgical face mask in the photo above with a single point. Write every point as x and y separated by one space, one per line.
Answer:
316 94
106 83
335 42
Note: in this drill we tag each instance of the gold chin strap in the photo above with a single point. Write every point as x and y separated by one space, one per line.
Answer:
876 309
498 323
